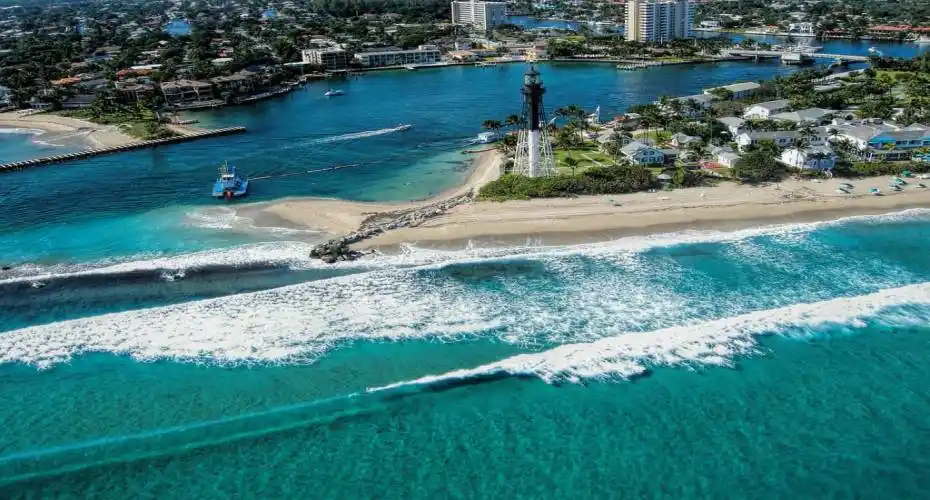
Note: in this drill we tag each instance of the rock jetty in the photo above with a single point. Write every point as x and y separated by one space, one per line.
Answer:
339 249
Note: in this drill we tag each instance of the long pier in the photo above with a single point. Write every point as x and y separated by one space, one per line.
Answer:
87 153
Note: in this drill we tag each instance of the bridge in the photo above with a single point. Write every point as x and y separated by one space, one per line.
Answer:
778 53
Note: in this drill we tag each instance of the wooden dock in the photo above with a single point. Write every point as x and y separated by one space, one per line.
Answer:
88 153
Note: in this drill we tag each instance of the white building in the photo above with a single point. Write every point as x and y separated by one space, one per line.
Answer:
658 20
483 15
331 58
815 158
781 138
738 90
801 28
810 115
424 54
765 110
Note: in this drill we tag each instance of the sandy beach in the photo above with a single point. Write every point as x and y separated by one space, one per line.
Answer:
96 136
338 217
727 206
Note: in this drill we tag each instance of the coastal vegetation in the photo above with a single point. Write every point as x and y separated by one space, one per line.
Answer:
138 121
592 181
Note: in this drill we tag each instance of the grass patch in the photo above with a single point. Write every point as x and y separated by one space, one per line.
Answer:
587 157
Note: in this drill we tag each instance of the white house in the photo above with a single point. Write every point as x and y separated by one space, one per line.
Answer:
781 138
765 110
814 158
642 154
727 158
739 90
735 126
809 115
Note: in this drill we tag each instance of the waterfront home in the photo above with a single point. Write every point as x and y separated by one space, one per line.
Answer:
812 158
642 154
738 90
765 110
424 54
132 90
735 126
810 115
186 91
781 138
79 101
241 82
462 56
885 141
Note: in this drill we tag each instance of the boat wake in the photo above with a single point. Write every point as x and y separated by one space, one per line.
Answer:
356 135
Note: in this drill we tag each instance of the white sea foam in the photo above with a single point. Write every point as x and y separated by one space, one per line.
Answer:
226 218
296 254
709 343
29 131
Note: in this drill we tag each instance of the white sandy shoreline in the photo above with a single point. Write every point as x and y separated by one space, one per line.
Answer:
96 136
728 206
337 217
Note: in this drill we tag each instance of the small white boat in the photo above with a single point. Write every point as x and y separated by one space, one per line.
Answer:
875 52
410 67
333 92
923 39
403 128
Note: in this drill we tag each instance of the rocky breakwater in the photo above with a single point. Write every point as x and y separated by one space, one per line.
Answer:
339 249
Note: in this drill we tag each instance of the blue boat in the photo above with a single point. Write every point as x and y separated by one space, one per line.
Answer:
229 185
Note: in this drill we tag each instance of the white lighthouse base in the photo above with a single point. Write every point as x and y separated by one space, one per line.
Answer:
534 154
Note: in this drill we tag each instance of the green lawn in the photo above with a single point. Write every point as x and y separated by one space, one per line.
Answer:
584 155
657 136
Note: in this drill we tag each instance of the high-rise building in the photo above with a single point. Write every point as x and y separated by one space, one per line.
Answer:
483 15
658 20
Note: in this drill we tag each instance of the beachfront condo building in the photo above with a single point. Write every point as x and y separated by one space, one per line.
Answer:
658 20
483 15
331 58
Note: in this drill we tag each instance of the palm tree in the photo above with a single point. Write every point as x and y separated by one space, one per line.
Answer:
570 162
492 126
512 121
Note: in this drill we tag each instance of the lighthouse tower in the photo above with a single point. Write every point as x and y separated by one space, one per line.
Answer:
534 151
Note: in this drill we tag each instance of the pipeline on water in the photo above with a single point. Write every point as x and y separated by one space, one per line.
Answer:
38 465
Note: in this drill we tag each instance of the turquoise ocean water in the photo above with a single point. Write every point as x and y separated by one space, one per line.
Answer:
154 343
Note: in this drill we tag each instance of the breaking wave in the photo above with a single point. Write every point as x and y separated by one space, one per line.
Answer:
529 296
295 254
716 342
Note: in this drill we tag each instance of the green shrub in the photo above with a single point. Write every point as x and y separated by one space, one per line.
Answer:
595 180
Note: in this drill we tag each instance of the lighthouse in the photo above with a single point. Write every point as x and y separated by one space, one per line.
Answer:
534 151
